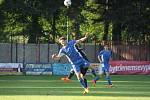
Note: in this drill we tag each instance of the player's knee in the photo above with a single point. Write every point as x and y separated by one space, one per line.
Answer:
107 74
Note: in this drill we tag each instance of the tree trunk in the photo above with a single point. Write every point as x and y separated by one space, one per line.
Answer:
106 30
116 32
35 30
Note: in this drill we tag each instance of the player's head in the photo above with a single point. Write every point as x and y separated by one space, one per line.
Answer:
103 42
106 47
62 40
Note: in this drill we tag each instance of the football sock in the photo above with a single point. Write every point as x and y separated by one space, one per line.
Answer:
85 80
93 73
108 80
96 78
83 83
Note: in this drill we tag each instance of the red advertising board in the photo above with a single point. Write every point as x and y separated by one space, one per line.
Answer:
130 67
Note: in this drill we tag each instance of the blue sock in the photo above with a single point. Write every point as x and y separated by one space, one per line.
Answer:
96 78
108 80
93 72
83 82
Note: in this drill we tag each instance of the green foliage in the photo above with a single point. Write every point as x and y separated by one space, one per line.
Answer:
44 20
90 14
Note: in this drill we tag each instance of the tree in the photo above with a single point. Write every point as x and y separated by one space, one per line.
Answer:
45 20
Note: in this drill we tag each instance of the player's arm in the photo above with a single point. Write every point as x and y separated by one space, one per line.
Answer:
83 39
57 56
100 56
99 59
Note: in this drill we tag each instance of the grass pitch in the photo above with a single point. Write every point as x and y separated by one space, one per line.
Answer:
127 87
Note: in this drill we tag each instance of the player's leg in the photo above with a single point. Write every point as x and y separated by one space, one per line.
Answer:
82 81
92 71
79 76
83 72
107 77
70 75
96 78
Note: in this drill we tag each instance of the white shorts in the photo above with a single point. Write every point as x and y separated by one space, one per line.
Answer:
100 70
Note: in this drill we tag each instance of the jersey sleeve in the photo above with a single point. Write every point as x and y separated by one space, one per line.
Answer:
72 42
110 53
100 53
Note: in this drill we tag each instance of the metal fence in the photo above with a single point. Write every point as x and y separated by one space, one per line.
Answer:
41 53
131 52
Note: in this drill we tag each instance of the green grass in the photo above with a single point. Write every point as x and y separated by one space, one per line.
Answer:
127 87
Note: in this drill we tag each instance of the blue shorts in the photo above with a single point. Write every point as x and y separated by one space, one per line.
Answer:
104 68
80 68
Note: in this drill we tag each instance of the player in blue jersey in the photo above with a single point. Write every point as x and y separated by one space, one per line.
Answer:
79 64
71 74
104 57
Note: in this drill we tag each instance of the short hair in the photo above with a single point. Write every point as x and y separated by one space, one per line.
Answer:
62 38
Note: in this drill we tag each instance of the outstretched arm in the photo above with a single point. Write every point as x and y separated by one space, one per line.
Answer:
100 60
55 57
83 39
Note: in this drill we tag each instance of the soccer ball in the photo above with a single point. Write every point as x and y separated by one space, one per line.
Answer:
67 3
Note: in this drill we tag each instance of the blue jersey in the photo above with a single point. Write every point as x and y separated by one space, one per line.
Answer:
73 55
105 57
